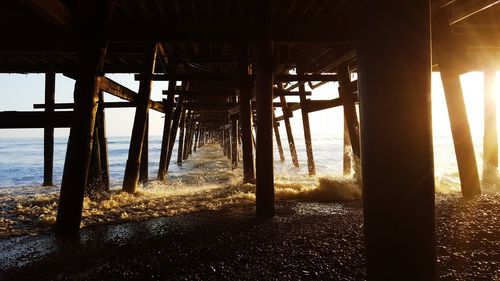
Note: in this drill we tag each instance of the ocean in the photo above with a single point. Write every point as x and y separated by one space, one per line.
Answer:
203 182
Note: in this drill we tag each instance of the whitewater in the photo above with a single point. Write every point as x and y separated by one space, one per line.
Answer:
204 182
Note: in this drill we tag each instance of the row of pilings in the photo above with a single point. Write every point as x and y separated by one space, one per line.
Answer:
392 139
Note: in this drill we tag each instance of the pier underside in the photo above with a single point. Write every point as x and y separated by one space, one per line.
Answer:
230 63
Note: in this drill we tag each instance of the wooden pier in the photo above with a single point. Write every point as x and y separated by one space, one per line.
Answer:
239 60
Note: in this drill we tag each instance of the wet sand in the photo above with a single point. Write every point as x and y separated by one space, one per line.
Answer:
305 241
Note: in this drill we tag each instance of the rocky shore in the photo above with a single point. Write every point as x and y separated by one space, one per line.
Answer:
305 241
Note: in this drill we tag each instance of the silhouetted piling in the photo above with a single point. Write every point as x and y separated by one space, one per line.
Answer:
311 166
246 126
91 26
346 90
490 143
278 138
394 62
287 114
144 169
182 126
169 105
138 131
346 163
48 131
264 196
103 142
234 142
173 132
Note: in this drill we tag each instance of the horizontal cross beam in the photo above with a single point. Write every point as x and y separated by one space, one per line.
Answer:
118 104
229 77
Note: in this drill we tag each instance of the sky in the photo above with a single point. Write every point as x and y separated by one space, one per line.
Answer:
21 91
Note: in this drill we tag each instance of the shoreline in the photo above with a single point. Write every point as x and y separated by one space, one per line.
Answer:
305 240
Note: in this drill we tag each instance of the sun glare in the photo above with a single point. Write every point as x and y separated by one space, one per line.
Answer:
473 90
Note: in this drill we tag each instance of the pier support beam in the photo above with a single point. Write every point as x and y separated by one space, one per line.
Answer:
197 137
246 128
94 178
234 142
264 196
169 105
311 167
351 118
490 143
103 142
138 131
287 113
462 138
448 59
394 59
92 26
48 132
278 138
182 126
347 151
175 127
144 169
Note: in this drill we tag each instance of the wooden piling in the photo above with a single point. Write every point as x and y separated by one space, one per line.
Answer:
169 105
138 131
311 167
346 90
93 18
48 131
278 138
173 132
103 142
197 137
234 143
227 143
347 151
449 67
462 138
187 136
94 176
490 142
246 127
264 196
192 130
182 126
394 62
287 113
144 168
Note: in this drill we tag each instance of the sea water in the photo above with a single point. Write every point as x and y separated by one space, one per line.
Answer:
203 182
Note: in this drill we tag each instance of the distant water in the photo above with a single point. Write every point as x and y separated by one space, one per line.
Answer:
21 159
